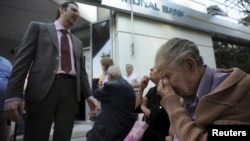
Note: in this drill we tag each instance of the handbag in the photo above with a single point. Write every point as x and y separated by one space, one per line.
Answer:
137 131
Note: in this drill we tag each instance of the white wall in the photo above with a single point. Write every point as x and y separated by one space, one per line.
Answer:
199 5
148 36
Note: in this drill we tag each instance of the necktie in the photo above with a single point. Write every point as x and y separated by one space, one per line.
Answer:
65 52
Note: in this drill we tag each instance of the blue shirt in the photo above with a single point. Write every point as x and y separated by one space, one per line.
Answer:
5 69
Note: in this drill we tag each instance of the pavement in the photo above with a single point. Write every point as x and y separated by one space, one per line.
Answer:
79 131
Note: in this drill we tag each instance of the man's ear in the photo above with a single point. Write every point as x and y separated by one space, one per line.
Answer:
110 77
61 9
190 64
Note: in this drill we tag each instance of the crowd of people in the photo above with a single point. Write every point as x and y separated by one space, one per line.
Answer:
188 96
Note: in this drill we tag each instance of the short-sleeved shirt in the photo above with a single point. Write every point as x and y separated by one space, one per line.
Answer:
133 78
5 70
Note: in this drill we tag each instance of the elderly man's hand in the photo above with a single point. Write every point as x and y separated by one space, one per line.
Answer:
144 82
93 105
164 88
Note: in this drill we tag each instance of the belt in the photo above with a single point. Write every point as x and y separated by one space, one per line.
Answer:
65 76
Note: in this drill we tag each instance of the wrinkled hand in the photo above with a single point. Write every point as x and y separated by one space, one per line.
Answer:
144 82
164 88
93 105
12 108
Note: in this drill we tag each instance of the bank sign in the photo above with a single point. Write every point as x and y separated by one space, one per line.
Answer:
170 12
144 7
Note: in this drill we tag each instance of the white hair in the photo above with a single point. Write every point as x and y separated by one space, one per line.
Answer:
114 71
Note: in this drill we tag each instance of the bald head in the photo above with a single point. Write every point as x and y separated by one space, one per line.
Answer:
129 69
113 72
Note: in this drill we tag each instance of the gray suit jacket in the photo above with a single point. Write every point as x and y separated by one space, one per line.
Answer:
38 55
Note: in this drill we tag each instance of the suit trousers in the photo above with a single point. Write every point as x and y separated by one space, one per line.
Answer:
3 127
56 111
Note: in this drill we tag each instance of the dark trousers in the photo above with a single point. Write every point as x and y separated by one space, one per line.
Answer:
20 125
3 127
59 107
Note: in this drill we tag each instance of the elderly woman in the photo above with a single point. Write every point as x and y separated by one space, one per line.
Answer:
106 62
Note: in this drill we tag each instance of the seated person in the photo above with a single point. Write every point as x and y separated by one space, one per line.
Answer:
211 97
154 114
132 77
106 62
118 114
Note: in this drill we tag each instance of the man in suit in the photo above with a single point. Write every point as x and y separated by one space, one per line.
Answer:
52 92
118 109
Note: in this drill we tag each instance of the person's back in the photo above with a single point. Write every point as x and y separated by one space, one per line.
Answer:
119 105
118 116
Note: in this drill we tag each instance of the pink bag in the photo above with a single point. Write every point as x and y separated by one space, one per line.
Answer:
137 131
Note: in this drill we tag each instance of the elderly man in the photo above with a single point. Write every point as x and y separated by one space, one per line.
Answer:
132 77
211 97
118 114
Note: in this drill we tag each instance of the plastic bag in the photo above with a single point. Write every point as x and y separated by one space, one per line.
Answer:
137 131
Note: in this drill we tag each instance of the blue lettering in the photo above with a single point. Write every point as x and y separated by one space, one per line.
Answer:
153 6
124 0
172 11
143 3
